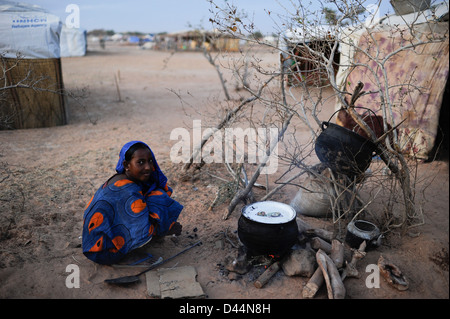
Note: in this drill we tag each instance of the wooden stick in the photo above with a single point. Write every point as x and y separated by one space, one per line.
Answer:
382 137
117 88
335 286
322 233
314 284
266 275
350 267
302 225
318 243
337 253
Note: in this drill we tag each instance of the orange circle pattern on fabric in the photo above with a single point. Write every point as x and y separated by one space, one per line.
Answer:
96 220
122 182
118 241
138 206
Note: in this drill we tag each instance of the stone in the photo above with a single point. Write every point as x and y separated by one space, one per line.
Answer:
152 280
301 262
174 283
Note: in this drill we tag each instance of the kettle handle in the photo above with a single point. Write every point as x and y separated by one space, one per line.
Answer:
355 107
324 125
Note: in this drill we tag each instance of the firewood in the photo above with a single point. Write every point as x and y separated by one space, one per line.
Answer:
318 243
310 231
335 286
266 275
314 284
322 233
302 225
317 279
350 267
337 253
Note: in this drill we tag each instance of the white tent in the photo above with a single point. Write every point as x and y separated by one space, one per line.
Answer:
438 12
30 50
28 30
307 34
73 42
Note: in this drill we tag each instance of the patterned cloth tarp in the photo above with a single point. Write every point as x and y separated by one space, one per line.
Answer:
416 79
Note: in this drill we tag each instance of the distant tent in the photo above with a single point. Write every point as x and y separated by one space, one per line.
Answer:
198 40
73 42
30 54
133 39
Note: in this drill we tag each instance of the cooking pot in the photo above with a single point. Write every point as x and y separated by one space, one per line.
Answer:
268 228
362 230
343 150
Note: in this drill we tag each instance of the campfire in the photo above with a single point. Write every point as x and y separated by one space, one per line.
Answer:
317 255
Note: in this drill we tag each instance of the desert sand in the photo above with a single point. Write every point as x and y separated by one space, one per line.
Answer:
49 175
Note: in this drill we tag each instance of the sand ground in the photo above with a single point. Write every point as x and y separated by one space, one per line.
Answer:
50 174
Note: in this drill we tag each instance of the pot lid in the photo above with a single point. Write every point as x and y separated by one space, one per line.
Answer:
269 212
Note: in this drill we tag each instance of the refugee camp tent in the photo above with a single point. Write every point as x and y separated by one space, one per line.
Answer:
198 40
73 42
297 45
133 39
417 77
30 53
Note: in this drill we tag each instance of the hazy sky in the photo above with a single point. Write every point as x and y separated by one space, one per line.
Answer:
153 16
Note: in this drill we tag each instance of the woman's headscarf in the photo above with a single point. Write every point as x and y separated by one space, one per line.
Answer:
160 180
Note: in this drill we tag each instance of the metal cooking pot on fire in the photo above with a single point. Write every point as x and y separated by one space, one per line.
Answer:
268 228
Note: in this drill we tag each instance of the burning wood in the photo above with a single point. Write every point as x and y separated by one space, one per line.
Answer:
265 277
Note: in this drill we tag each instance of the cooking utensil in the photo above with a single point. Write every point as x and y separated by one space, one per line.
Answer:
268 228
343 150
132 279
362 230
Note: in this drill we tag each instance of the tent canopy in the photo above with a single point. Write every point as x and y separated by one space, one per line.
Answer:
416 76
28 31
73 42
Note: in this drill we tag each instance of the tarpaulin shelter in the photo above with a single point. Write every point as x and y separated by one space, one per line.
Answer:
30 95
73 42
413 49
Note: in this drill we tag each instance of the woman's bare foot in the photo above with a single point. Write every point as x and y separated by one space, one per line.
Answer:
175 229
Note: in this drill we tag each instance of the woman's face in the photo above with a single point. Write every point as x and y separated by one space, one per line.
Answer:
140 167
